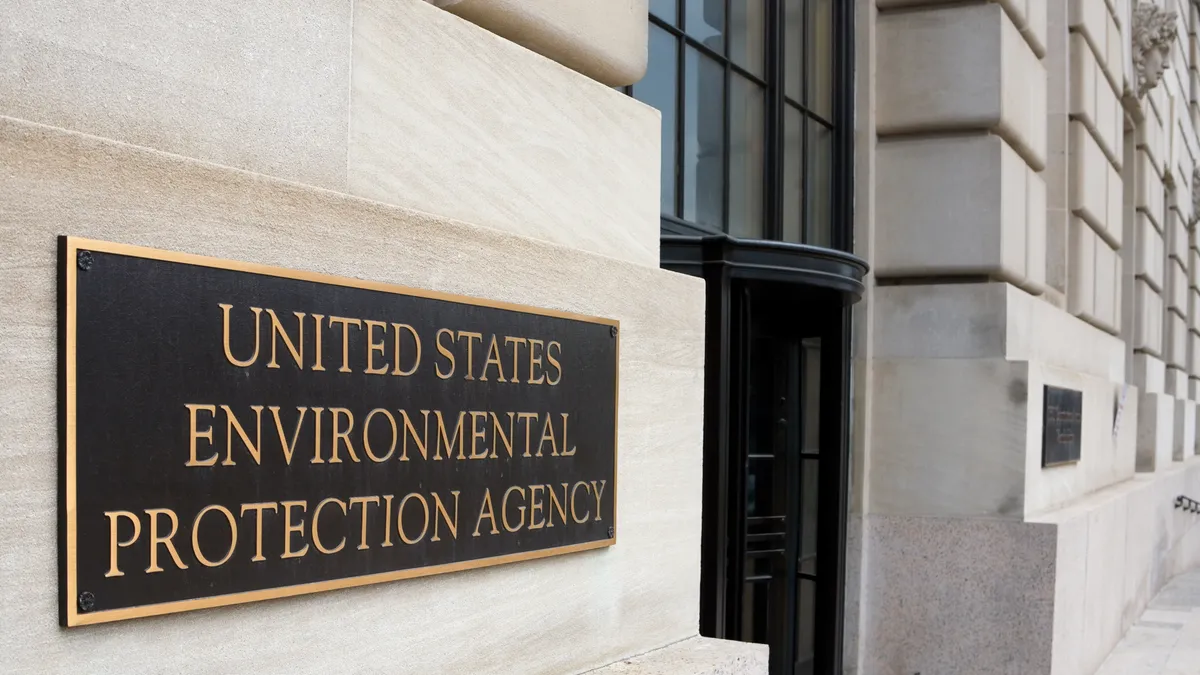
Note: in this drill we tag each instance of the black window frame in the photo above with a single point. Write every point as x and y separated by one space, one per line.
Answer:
840 122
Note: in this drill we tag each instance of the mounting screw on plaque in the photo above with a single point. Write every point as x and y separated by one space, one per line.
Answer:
85 260
612 330
612 531
87 601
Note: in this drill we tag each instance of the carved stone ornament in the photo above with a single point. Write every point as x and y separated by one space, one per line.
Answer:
1153 35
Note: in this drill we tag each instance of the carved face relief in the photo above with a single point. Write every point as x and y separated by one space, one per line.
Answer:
1153 35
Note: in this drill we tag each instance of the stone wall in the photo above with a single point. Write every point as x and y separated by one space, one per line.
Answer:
389 141
1025 199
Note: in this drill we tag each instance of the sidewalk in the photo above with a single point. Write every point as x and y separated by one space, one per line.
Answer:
1166 639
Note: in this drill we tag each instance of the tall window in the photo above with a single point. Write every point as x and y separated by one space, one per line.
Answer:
750 117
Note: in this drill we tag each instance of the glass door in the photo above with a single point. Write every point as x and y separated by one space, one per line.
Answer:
775 464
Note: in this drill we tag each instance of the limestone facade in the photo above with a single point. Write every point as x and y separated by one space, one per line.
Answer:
1026 172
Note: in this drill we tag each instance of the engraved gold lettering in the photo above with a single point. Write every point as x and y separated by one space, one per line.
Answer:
486 511
504 508
516 364
156 540
400 518
232 425
195 433
289 529
319 320
440 510
599 492
288 448
317 459
295 348
547 433
535 507
528 419
316 535
470 351
373 346
342 435
387 520
497 430
362 502
535 360
243 363
444 351
345 324
493 359
367 441
114 543
396 354
196 536
410 430
565 444
477 433
574 515
554 362
258 509
555 504
441 438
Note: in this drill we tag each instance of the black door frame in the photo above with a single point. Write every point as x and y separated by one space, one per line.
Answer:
826 284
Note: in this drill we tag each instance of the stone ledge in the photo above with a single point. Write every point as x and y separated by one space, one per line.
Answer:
694 656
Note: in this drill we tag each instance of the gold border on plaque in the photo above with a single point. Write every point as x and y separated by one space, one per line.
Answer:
77 618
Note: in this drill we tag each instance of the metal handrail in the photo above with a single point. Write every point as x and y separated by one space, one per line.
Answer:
1187 503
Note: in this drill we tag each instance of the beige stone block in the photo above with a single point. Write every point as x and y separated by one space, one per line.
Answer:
1093 100
970 463
1149 373
448 118
1092 20
605 41
1177 342
258 86
960 67
1194 308
1106 286
1088 178
1194 388
1156 430
1193 354
1150 194
1194 268
1109 127
1150 255
60 183
1116 215
696 656
1148 324
1178 288
953 205
1176 382
1150 138
1030 16
1179 237
1185 428
1035 232
1081 289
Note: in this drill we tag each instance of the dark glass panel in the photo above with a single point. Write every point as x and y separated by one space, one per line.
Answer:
706 23
793 49
746 158
793 174
665 10
809 489
657 89
747 34
819 179
820 58
703 146
806 602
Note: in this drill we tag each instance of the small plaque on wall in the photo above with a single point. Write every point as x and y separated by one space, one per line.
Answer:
232 432
1062 426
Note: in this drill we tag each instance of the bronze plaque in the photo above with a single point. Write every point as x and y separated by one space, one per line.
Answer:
1062 426
232 432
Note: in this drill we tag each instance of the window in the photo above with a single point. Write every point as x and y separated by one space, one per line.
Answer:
752 118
